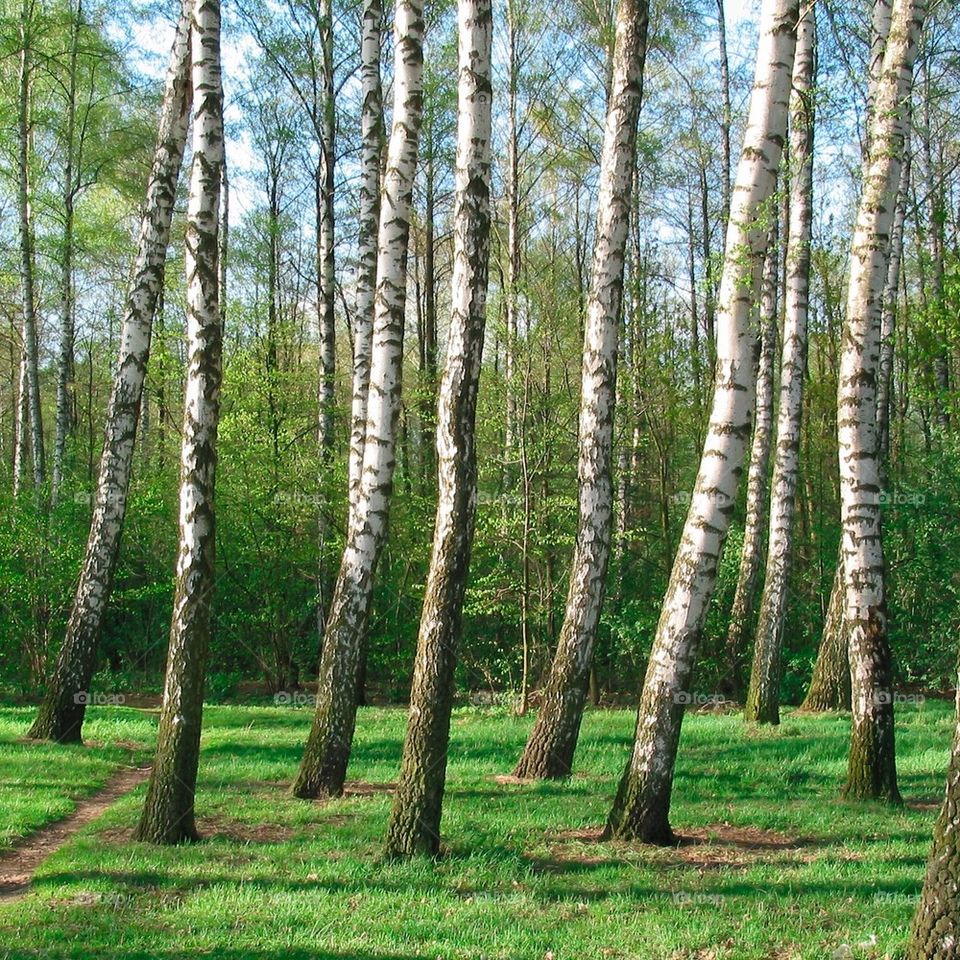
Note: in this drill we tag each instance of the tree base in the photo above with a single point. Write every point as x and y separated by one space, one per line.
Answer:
654 831
320 788
542 765
414 841
166 834
762 713
56 726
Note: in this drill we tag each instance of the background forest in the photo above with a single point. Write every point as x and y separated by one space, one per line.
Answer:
89 108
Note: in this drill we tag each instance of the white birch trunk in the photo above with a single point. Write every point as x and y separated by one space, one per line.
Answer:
758 472
21 429
168 809
641 809
415 819
324 764
763 704
872 766
552 742
65 358
371 135
888 317
61 714
31 347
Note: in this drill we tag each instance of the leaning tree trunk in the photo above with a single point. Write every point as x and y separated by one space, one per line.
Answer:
872 763
830 684
641 808
27 245
371 135
415 819
168 811
553 740
324 764
936 924
61 713
763 702
758 475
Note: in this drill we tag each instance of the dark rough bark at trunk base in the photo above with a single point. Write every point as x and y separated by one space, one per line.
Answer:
871 767
640 815
761 707
322 773
763 697
415 819
936 924
549 751
61 714
830 684
168 816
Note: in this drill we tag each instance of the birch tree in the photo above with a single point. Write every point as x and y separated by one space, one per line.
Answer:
415 820
70 190
763 701
550 748
872 764
168 810
61 713
758 472
935 933
27 238
324 765
371 145
830 684
641 808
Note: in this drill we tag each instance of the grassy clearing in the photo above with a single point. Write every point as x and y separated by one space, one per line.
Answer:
40 782
783 868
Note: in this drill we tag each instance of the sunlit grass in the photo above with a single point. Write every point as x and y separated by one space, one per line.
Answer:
523 877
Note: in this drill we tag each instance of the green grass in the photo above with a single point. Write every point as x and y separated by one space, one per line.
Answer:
40 782
281 879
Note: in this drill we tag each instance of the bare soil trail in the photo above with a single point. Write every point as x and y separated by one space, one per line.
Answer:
19 864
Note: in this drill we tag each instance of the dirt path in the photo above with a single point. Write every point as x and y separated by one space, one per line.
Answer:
18 865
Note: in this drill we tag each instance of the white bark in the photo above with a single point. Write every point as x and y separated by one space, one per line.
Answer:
758 472
872 769
60 716
70 188
371 135
888 317
31 347
783 488
642 806
328 749
415 819
168 809
550 747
